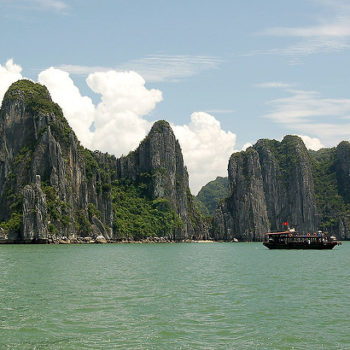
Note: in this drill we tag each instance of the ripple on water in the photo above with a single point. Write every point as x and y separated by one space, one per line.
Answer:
176 296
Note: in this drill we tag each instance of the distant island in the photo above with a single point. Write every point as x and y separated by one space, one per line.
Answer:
53 190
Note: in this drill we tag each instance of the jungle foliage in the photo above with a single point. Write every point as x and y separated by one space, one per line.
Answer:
138 216
330 203
211 194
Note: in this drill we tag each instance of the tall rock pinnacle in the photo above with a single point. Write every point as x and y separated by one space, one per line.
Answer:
52 187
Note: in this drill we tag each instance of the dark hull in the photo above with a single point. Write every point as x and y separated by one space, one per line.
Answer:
300 245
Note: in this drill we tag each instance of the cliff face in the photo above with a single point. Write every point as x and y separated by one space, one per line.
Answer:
246 202
159 157
342 165
51 187
44 185
331 169
269 183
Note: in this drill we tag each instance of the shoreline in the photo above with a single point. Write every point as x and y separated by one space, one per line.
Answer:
88 240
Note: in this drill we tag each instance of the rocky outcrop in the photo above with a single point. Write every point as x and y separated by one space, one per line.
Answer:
246 206
98 229
158 161
53 188
45 186
34 213
269 183
343 169
331 169
342 166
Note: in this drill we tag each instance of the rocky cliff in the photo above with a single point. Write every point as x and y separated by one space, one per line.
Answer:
331 172
159 164
342 166
269 183
52 188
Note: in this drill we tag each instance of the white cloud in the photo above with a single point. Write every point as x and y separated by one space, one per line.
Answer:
329 33
297 51
246 145
119 119
51 4
273 85
79 110
308 112
158 68
9 73
303 106
206 148
312 143
82 70
124 101
340 28
155 68
331 134
220 111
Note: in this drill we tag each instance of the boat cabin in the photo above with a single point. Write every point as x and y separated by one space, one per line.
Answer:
293 240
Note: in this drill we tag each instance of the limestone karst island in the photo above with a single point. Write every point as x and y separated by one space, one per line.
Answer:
174 175
53 190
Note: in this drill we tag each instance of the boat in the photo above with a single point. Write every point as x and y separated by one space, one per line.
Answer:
290 239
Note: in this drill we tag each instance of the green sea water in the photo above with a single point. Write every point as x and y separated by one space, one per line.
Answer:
173 296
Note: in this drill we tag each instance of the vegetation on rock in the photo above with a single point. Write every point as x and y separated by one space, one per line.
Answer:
145 193
79 191
35 96
138 216
211 194
287 153
330 203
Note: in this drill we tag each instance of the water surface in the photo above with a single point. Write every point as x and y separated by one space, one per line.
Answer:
173 296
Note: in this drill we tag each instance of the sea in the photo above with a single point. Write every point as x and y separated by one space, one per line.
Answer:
173 296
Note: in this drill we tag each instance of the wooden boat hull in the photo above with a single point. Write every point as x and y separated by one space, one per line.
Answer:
300 245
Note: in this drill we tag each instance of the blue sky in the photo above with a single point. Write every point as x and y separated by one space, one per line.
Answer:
262 69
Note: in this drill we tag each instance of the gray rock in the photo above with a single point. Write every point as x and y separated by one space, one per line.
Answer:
160 154
50 181
101 229
39 154
34 213
100 239
269 183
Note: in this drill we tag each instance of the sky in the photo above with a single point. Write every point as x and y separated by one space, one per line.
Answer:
223 73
